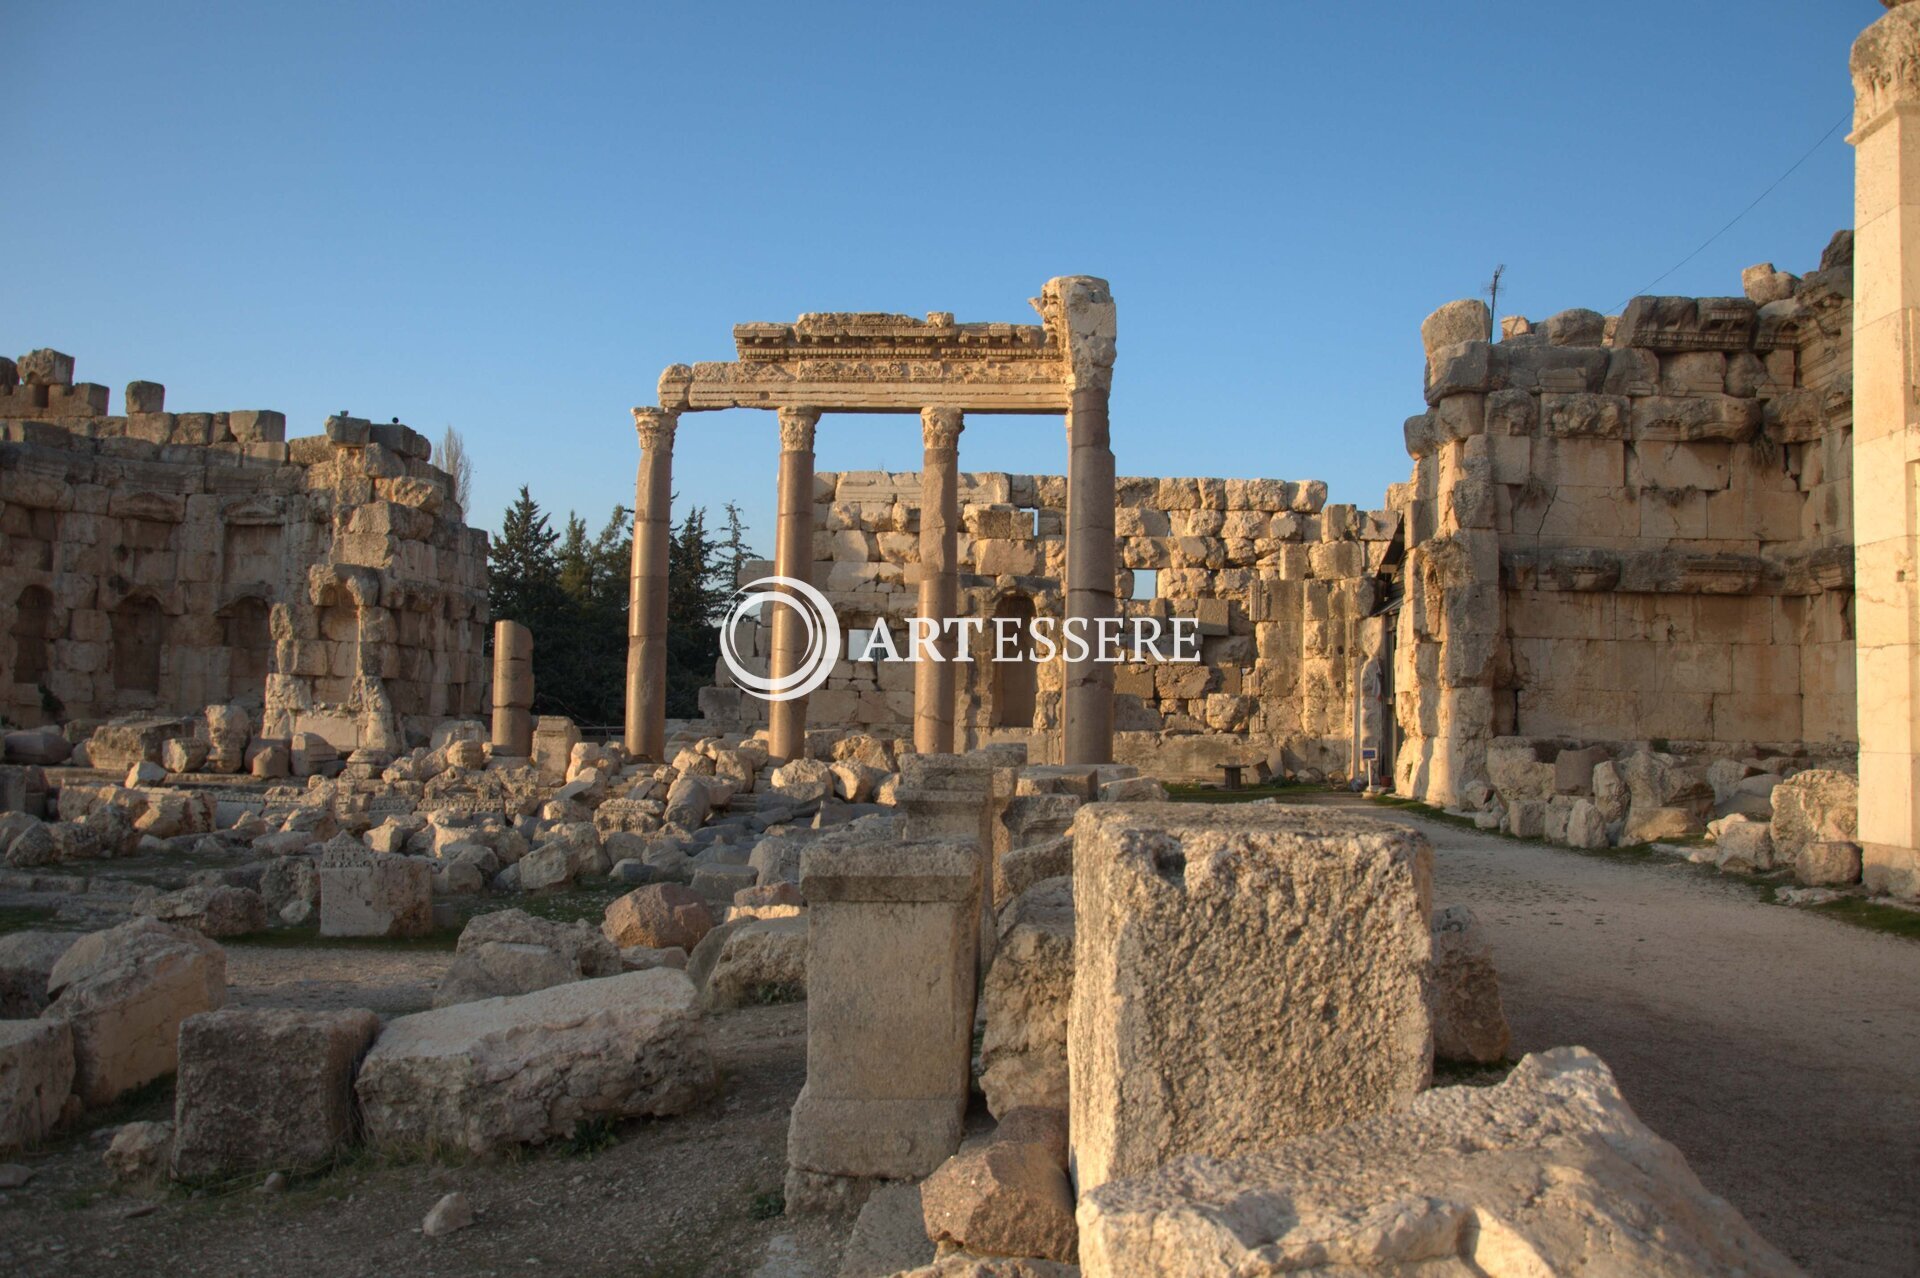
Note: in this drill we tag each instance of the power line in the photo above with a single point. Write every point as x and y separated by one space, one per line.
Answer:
1648 287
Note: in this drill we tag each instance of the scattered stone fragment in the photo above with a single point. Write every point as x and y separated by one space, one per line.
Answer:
1549 1172
450 1213
36 1077
657 916
138 1154
1468 1023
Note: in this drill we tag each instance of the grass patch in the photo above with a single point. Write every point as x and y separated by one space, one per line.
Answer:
307 936
1470 1073
1199 792
590 1136
580 903
27 918
777 992
767 1205
1872 915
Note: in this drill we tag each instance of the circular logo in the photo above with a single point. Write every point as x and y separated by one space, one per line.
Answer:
822 648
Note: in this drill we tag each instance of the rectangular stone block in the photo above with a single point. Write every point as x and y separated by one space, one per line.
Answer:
1242 976
36 1076
892 935
266 1089
375 895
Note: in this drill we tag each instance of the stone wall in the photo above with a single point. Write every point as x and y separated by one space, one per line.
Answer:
161 562
1632 528
1279 582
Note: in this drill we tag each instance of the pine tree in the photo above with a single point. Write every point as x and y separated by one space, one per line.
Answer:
523 576
696 597
736 548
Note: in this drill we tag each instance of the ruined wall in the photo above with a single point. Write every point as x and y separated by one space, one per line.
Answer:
1632 528
160 561
1279 582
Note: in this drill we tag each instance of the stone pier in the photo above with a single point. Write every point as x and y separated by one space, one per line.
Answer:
646 726
1886 444
512 689
933 681
792 557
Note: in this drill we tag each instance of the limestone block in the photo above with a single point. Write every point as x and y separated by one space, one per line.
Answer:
489 1075
1701 417
762 961
1833 862
1518 772
264 1088
125 991
36 1077
1586 826
554 738
1025 997
26 961
1548 1172
123 743
1816 806
367 894
1002 1197
1184 916
216 910
1741 843
508 952
657 916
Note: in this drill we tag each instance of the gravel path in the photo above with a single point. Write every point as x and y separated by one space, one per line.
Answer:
1780 1050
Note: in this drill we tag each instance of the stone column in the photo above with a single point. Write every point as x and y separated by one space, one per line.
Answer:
646 735
933 681
792 557
1886 444
1079 313
512 689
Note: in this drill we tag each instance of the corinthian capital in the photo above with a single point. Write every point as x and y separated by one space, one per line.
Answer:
655 427
796 429
940 429
1886 65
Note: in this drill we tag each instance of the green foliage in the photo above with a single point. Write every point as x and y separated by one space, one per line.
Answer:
571 590
767 1205
590 1136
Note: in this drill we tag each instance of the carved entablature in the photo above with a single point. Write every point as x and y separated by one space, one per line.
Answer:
1687 324
874 362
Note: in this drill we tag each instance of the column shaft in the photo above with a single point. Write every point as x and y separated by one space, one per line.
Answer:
646 726
934 681
792 557
1886 446
1090 574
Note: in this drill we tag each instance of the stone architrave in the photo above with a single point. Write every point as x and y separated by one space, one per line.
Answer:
933 681
1242 976
892 930
1886 423
792 557
646 728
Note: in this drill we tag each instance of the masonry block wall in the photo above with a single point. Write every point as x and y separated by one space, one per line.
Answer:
1632 528
162 562
1278 581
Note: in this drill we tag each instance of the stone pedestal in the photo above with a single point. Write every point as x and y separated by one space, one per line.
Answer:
646 724
512 689
792 557
1886 445
892 929
933 681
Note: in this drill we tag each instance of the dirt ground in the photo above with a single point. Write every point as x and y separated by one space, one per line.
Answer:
1779 1050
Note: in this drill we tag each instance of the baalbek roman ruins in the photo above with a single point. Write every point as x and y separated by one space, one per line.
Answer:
1083 872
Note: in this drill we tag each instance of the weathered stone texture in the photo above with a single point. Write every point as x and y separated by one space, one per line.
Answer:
488 1075
1242 976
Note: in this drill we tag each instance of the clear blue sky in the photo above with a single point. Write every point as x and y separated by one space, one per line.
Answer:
510 218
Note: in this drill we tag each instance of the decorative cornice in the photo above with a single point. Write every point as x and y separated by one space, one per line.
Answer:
940 429
796 429
655 427
1886 66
